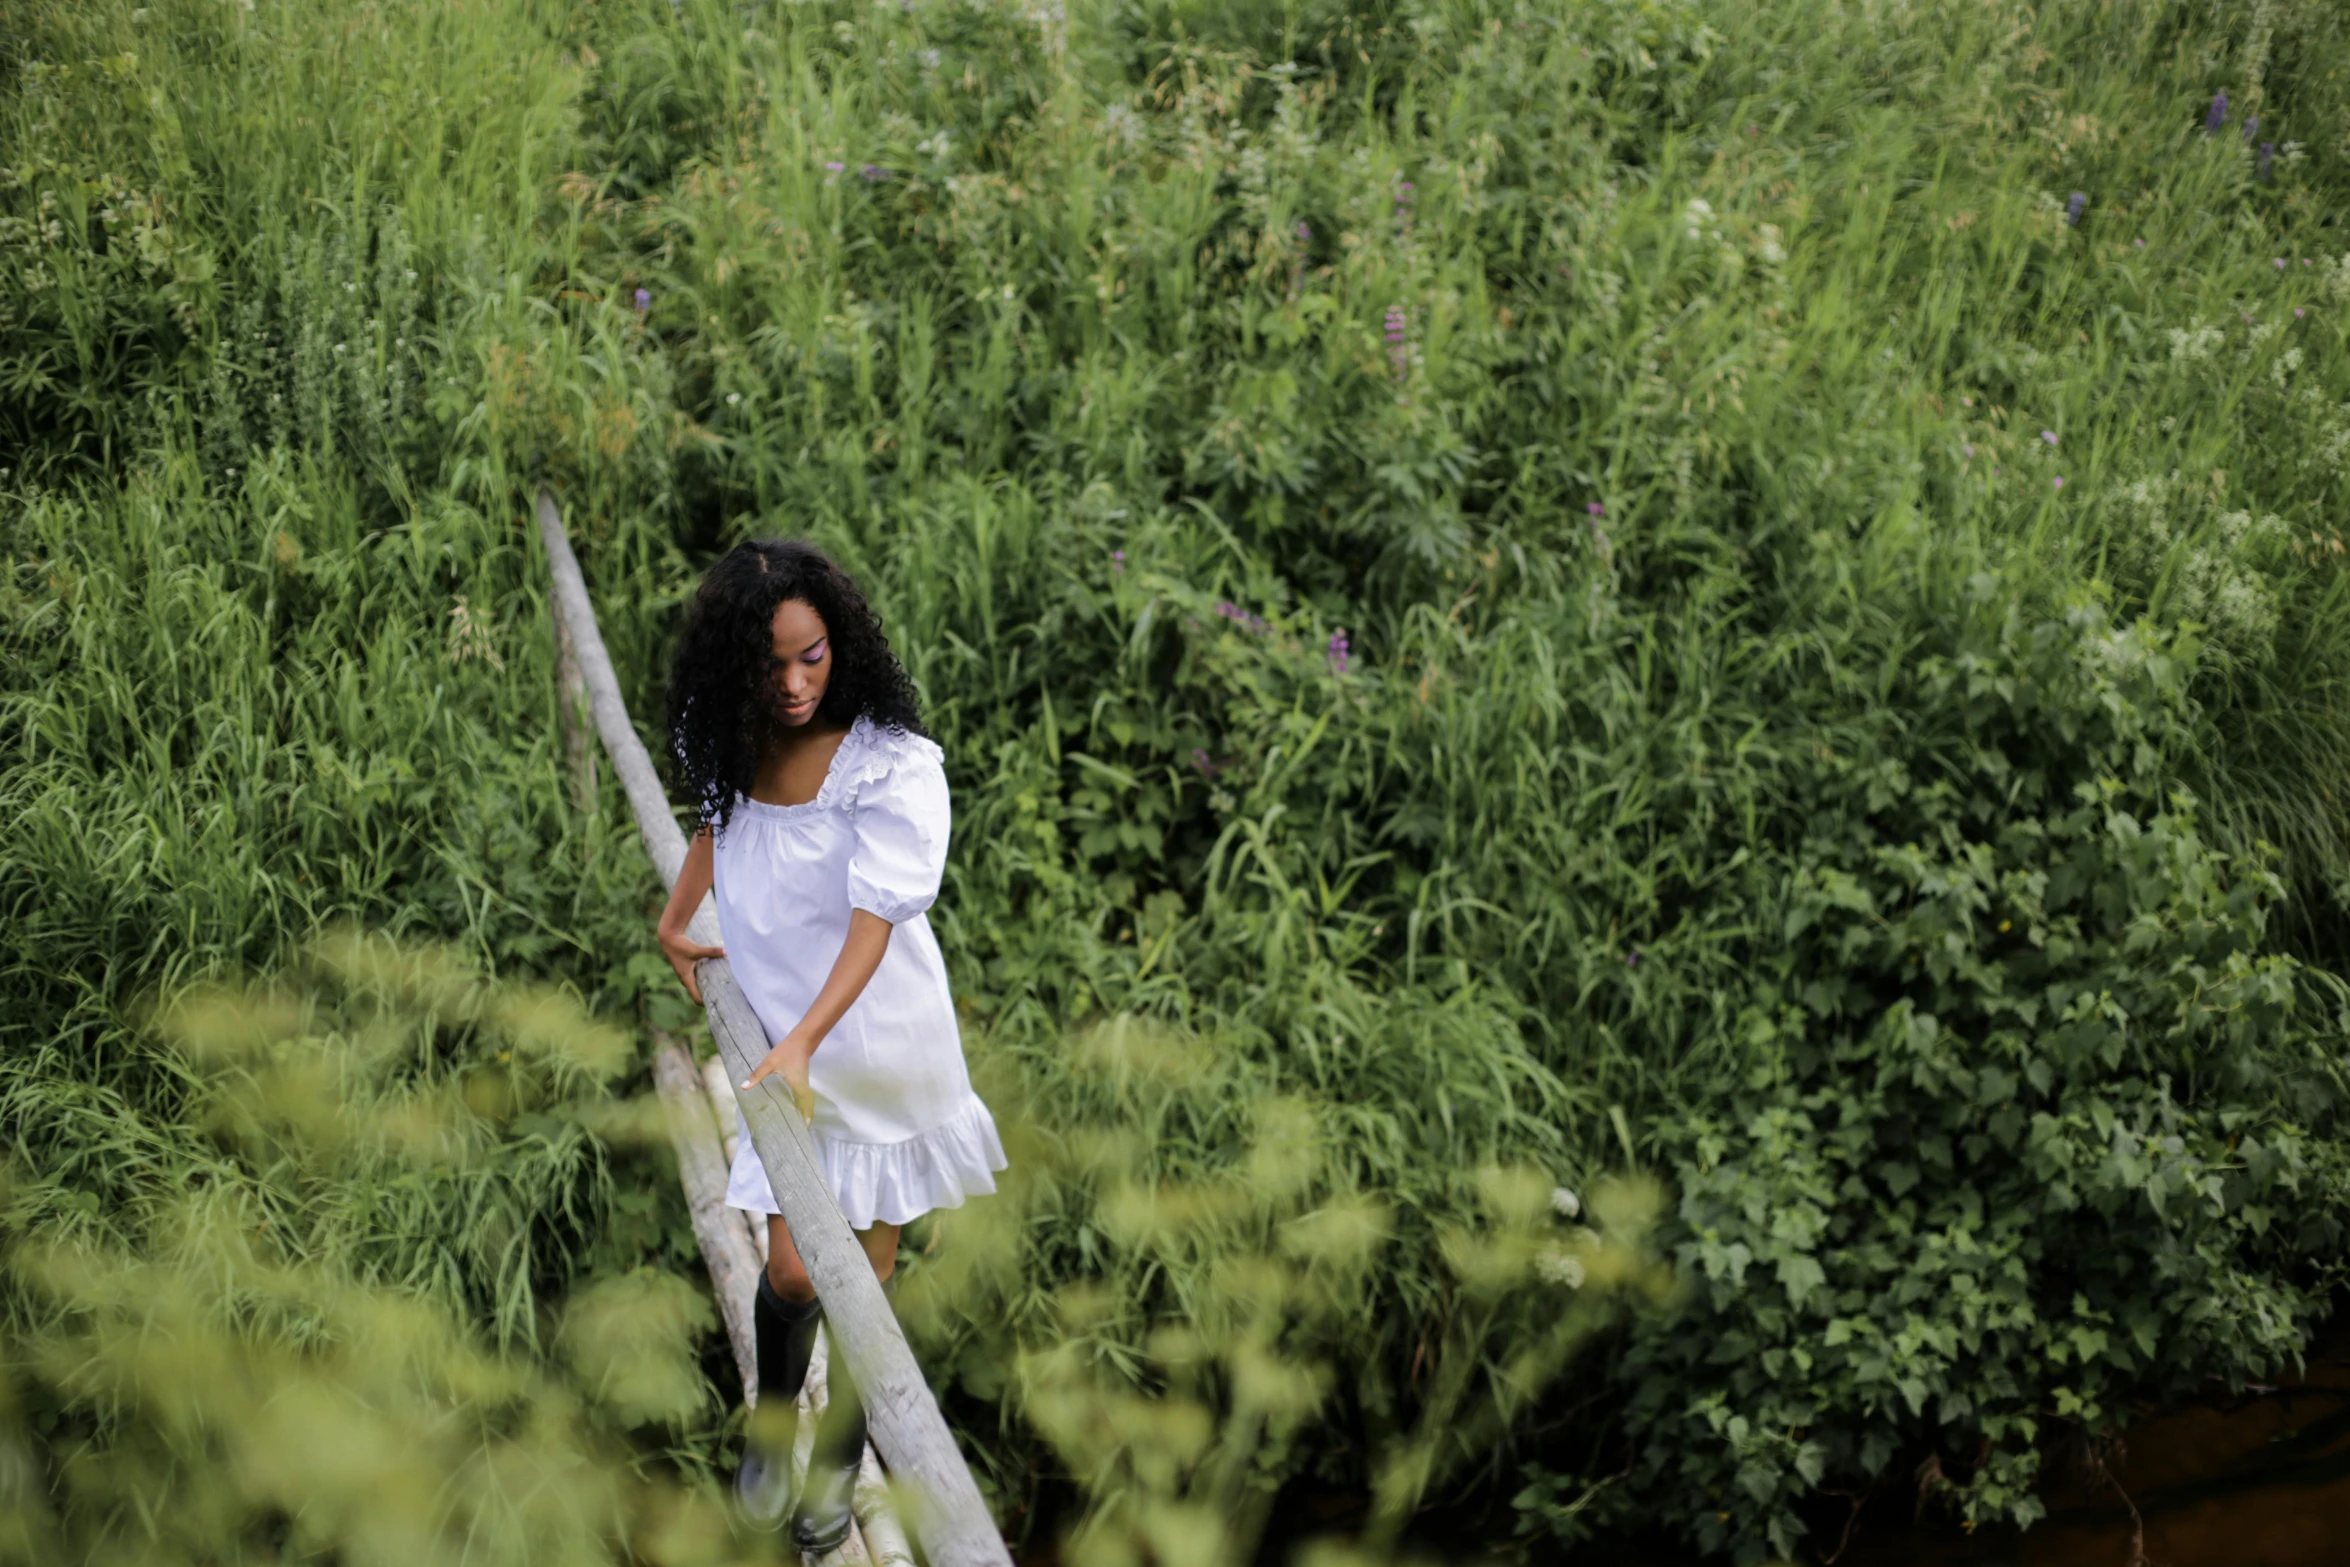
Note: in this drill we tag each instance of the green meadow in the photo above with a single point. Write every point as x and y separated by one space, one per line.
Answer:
1649 703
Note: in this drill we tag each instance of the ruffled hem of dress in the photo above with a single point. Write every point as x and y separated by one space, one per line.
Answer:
897 1183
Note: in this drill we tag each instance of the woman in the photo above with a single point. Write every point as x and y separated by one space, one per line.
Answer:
824 811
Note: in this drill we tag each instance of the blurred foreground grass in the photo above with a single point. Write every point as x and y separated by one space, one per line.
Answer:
242 1361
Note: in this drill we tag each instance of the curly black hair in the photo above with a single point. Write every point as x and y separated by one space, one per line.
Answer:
721 700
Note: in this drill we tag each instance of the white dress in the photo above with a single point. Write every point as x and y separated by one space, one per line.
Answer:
897 1124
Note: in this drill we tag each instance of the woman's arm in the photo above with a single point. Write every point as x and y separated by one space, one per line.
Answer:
693 885
860 955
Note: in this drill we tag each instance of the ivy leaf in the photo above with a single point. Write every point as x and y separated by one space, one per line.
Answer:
1799 1275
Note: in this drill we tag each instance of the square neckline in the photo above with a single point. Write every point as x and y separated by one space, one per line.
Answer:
824 790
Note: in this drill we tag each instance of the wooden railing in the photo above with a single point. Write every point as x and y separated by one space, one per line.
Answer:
942 1502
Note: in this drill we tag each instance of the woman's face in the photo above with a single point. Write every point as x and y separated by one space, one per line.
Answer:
800 662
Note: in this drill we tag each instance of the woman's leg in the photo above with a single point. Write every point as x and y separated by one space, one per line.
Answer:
790 1275
822 1519
784 1318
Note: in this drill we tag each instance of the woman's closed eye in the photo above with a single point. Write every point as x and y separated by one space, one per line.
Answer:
815 654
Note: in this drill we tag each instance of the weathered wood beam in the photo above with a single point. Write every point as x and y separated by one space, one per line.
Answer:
579 743
726 1249
721 1094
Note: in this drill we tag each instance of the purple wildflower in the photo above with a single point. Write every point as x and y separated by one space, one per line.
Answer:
2297 312
2141 244
1117 560
1305 235
2072 209
1632 958
1338 651
1595 509
873 171
2059 484
834 168
1199 759
2218 115
2049 436
2251 128
2280 268
1399 348
2268 152
644 301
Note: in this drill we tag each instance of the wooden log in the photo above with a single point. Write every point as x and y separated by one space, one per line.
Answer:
726 1250
885 1537
943 1503
571 707
721 1095
664 841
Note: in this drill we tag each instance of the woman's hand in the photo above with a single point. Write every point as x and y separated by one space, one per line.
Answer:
860 955
693 885
683 952
789 1061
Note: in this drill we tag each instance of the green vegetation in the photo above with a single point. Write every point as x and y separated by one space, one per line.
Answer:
248 1357
1512 590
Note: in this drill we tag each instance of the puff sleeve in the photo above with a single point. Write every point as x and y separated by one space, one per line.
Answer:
901 823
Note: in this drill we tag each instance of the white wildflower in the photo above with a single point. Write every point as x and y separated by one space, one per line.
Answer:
1565 1203
1557 1265
2194 343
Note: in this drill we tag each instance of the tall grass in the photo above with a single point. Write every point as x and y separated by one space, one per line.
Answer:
1666 401
245 1350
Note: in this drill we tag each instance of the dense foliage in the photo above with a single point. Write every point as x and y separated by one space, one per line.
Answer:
1511 587
239 1363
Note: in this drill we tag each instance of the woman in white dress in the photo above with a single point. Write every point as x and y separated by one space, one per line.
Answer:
825 817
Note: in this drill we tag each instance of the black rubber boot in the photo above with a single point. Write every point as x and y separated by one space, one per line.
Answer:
821 1521
786 1340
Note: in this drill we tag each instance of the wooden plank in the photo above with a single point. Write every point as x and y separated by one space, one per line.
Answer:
885 1538
726 1249
721 1094
943 1503
571 707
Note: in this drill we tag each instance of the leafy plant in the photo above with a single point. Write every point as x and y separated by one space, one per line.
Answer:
2028 1126
254 1349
